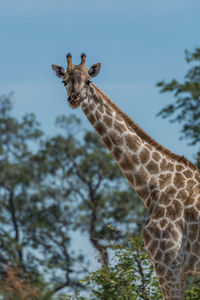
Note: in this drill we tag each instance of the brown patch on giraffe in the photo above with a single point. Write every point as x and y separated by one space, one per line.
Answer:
116 139
159 213
166 166
91 118
117 152
166 245
107 142
160 269
91 107
132 142
155 194
108 121
185 199
197 176
168 257
143 193
86 110
134 159
163 223
193 229
97 115
156 156
190 184
190 214
164 180
144 155
169 273
196 248
198 203
126 164
174 210
146 236
188 248
108 111
141 177
153 183
196 190
179 168
179 180
188 173
119 127
159 255
153 247
152 167
168 195
100 108
129 177
155 231
100 128
193 259
170 232
180 225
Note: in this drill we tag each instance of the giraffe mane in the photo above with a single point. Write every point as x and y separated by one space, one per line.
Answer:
143 134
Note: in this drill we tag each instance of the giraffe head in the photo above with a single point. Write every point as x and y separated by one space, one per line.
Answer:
76 79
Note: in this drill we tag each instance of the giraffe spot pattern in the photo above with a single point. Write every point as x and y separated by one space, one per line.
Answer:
190 214
179 168
119 127
100 128
107 142
91 118
188 173
152 167
174 211
166 166
134 159
143 193
156 156
97 114
116 138
178 180
144 155
108 121
164 180
117 152
141 178
132 142
126 164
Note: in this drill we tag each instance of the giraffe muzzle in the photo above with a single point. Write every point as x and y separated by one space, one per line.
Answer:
74 100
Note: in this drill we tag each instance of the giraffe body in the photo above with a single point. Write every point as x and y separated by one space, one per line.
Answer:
168 185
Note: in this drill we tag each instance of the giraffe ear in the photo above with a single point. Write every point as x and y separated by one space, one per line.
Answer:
58 70
94 70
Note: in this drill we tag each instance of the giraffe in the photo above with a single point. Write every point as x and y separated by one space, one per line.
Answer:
168 184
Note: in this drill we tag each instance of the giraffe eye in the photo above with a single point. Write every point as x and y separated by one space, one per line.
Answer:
88 82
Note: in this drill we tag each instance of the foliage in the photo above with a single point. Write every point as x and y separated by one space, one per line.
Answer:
130 276
49 189
186 108
193 293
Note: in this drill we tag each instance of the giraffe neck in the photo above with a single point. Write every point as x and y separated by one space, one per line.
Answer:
138 155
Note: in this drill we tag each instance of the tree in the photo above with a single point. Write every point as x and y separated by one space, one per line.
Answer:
186 108
130 276
50 188
98 191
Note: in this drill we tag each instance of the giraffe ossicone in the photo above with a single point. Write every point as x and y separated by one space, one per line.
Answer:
168 184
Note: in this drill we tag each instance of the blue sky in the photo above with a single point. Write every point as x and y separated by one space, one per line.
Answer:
138 43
